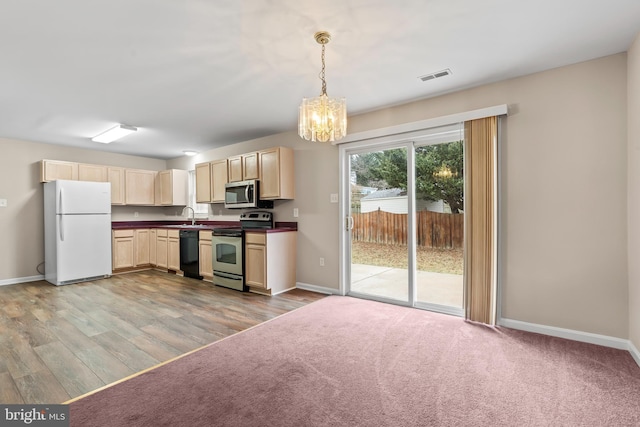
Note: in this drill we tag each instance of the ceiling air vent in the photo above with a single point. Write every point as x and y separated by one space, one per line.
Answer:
435 75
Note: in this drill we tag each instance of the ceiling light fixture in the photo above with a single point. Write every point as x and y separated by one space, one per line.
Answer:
190 152
322 118
114 133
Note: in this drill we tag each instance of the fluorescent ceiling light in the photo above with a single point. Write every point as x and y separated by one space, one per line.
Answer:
190 152
114 133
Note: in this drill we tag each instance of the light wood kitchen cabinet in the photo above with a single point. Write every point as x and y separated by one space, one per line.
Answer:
250 168
115 176
173 250
122 249
162 247
234 166
140 187
172 186
203 182
51 170
205 255
219 178
276 173
130 248
141 247
243 167
210 180
153 247
270 261
95 173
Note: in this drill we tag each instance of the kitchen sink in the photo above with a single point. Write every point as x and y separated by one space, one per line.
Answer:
193 226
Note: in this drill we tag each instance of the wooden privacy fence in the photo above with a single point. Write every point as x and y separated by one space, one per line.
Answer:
435 229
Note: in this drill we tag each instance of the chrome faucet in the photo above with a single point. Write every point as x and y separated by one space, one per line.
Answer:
193 214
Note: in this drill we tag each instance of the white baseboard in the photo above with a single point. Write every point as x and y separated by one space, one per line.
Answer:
634 352
20 280
316 288
569 334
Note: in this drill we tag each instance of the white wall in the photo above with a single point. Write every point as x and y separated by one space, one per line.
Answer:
633 121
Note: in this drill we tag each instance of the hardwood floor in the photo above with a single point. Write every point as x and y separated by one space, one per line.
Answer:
57 343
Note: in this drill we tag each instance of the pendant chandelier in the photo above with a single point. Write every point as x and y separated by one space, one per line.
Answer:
322 118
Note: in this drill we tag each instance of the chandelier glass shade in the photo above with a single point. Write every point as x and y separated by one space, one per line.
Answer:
322 118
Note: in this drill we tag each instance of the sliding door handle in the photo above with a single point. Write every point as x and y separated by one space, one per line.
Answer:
348 223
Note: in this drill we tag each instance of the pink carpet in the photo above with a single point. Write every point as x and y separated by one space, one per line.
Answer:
343 361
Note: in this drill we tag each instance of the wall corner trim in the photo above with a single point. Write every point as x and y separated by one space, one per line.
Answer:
634 352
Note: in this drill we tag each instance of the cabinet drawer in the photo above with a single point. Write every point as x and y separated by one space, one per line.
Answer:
173 233
256 238
162 232
205 235
122 233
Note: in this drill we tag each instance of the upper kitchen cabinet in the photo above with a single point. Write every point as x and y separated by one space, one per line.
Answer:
219 178
244 167
140 187
250 168
276 173
95 173
235 169
203 183
173 187
116 178
50 170
210 180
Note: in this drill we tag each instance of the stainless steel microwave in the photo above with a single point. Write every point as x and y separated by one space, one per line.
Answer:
244 194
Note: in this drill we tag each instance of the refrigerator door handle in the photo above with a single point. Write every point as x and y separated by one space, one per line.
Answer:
61 226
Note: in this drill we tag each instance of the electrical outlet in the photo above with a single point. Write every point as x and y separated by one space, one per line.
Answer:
334 198
136 214
321 262
295 212
3 203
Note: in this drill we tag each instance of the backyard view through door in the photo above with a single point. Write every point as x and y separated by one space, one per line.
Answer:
381 224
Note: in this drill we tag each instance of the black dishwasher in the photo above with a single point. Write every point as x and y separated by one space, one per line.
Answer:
189 263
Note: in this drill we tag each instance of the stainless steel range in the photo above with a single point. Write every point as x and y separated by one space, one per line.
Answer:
228 249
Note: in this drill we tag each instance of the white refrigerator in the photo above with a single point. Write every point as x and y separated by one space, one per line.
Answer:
77 231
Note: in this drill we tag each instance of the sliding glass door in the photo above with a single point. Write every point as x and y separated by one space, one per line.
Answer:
405 223
439 175
378 210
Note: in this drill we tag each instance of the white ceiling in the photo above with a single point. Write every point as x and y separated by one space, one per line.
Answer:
197 74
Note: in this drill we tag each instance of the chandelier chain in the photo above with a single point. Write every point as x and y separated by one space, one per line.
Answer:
322 77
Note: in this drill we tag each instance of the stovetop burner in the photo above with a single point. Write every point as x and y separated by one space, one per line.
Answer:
256 219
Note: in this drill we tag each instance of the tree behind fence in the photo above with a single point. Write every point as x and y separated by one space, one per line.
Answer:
435 229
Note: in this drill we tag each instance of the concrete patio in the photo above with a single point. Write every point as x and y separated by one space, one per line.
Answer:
434 288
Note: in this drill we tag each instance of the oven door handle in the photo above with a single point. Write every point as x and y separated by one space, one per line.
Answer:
226 276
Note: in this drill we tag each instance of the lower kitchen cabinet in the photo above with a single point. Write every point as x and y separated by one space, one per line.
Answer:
153 247
130 248
161 247
173 249
122 249
167 249
270 261
205 255
141 247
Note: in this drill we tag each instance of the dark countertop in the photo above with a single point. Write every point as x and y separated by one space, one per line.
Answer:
279 227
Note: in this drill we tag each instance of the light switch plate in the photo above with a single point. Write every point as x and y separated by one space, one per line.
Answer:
334 198
3 203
